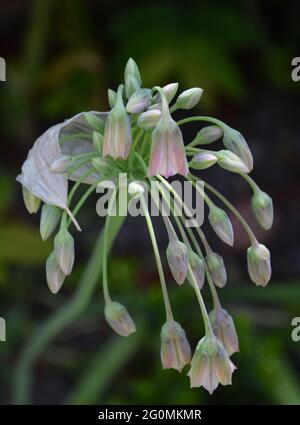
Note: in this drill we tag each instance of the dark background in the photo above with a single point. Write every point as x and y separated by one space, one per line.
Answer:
61 58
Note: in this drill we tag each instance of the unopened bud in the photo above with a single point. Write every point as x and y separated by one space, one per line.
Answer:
235 142
169 90
149 119
259 264
155 106
189 98
203 160
50 217
221 224
139 101
95 122
262 207
223 327
175 350
54 274
61 164
177 256
231 162
131 68
119 319
208 135
98 141
197 267
135 189
131 85
64 250
216 268
112 97
32 203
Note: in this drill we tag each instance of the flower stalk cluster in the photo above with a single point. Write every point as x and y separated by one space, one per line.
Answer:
140 137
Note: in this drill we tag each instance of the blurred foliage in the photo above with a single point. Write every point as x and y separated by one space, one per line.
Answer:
61 58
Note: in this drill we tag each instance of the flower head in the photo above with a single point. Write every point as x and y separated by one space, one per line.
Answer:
119 319
177 255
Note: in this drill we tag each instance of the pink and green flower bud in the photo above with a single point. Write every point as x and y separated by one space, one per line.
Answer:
32 202
54 274
177 256
64 250
231 162
224 329
139 101
119 319
50 217
98 142
149 119
169 90
203 160
197 267
131 68
61 164
262 207
189 98
112 97
210 365
117 134
259 264
167 155
175 352
235 142
208 135
216 268
221 224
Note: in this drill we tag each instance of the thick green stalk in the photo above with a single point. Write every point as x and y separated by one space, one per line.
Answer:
62 318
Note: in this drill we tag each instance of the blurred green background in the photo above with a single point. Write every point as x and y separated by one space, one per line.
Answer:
61 58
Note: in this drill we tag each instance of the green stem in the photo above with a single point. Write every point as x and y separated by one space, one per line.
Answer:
111 204
60 320
251 182
168 308
82 200
203 118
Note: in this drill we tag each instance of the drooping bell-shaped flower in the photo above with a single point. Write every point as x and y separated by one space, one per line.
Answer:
223 327
175 352
210 365
262 207
235 142
177 256
259 264
221 224
167 150
119 319
217 269
117 134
